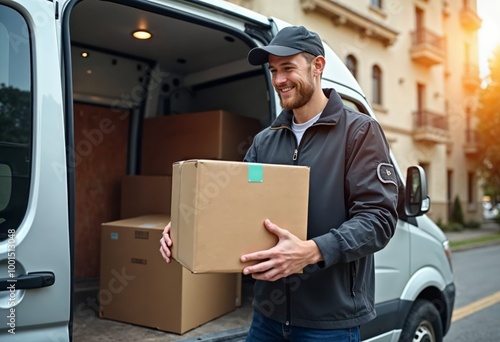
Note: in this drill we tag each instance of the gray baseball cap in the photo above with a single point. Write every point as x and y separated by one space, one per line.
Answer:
289 41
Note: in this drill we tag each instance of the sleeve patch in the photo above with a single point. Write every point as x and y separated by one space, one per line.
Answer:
386 173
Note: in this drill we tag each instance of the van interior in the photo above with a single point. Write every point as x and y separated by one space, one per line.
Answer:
188 65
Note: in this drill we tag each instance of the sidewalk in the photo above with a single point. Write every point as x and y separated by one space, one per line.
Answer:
487 228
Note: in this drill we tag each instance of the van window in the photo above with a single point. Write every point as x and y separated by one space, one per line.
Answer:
354 105
15 119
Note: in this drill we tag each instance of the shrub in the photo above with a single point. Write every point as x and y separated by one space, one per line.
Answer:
473 224
497 219
457 215
455 227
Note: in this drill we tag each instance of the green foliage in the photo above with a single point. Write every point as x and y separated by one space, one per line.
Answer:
451 227
488 127
497 219
457 215
456 227
473 224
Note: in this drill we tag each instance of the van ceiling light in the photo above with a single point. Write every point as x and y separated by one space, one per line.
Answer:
141 34
85 54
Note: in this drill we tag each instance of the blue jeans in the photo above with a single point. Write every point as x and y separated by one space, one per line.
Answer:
264 329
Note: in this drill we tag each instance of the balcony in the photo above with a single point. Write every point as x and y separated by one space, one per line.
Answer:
427 48
469 19
470 77
346 15
470 146
430 127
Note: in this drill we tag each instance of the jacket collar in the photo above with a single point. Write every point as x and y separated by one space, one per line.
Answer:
330 114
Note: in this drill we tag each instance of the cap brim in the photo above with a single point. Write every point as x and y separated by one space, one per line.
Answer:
260 55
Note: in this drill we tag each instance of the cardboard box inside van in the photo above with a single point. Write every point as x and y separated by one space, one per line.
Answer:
214 134
138 287
143 195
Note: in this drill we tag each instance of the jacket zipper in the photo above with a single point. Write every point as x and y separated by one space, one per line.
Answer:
353 279
295 157
353 284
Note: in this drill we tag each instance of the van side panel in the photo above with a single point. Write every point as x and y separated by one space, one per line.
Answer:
42 240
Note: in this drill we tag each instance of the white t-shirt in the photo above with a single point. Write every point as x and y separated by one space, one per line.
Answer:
299 129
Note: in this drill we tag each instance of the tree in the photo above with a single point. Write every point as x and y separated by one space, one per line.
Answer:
457 215
488 126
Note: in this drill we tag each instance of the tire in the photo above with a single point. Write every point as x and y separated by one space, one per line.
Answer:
423 324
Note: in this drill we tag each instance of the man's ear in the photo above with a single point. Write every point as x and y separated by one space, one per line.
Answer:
319 63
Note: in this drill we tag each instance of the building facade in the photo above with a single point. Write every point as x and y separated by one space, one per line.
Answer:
417 62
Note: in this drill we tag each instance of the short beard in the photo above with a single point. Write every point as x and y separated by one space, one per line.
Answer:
304 95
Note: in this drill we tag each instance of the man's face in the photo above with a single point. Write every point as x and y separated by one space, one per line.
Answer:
292 79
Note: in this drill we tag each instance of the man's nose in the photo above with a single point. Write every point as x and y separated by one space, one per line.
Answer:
279 78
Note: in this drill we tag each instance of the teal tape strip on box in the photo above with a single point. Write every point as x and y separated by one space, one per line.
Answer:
255 173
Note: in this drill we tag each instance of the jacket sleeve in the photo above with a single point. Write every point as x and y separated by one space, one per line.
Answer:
371 194
251 154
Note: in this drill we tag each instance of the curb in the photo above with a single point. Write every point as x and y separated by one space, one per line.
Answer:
475 245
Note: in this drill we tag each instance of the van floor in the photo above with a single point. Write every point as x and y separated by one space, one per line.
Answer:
89 327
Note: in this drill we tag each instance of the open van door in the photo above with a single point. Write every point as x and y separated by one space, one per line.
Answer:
35 252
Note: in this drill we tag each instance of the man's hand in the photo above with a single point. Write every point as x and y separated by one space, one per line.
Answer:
165 244
290 255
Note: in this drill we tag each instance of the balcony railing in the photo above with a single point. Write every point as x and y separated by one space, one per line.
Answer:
427 47
470 147
470 77
469 19
430 127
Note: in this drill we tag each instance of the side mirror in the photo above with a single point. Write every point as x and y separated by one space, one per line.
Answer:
417 202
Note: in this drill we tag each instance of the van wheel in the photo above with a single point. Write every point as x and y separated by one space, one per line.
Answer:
423 324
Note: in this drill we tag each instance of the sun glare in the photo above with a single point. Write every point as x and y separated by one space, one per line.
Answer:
488 35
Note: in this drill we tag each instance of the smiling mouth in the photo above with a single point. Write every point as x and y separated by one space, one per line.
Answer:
286 89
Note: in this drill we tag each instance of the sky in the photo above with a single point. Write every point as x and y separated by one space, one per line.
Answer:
489 33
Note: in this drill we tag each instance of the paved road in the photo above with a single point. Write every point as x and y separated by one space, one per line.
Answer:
477 307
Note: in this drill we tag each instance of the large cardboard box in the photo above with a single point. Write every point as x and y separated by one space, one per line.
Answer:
219 208
138 287
144 195
214 134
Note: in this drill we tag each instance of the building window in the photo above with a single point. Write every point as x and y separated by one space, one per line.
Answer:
470 187
15 117
449 179
376 3
376 85
352 64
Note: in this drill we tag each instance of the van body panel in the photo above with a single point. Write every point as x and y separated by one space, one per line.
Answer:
42 240
424 278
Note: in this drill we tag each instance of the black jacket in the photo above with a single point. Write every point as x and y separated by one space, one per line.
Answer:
352 214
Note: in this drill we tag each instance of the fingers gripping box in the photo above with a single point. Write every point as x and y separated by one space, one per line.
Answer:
219 208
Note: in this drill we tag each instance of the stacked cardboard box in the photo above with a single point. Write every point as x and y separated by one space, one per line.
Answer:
138 287
143 195
214 134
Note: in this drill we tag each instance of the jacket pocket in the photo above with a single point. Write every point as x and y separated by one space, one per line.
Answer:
353 269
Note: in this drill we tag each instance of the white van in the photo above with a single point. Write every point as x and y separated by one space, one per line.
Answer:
60 59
